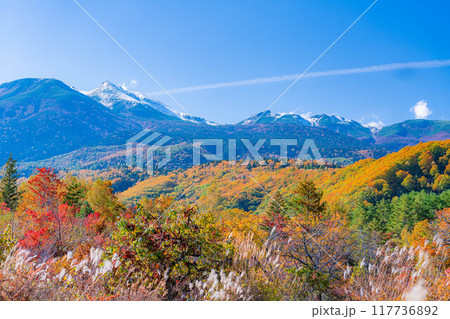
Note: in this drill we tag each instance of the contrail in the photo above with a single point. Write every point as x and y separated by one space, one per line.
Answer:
290 77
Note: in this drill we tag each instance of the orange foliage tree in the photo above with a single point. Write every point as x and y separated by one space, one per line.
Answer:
48 217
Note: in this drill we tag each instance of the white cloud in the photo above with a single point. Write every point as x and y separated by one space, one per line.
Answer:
131 85
421 110
292 77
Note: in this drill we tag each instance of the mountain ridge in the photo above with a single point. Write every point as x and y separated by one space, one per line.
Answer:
42 118
333 122
136 105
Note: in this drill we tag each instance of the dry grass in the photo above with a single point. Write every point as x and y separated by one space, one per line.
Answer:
415 273
23 277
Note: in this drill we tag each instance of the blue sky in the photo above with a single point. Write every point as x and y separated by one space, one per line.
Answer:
190 43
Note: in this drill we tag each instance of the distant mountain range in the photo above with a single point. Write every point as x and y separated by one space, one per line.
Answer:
392 137
412 132
332 122
42 118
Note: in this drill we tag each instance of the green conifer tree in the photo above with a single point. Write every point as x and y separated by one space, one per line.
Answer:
75 194
308 200
9 191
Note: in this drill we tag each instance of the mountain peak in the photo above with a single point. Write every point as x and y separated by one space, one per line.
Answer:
136 104
268 117
31 84
108 86
110 94
332 122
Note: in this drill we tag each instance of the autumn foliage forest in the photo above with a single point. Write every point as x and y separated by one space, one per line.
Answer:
374 230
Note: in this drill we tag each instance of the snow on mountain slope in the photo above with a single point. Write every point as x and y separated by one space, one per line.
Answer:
268 117
333 122
341 125
120 100
326 119
109 94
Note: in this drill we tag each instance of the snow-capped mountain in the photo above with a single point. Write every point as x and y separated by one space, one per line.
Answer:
321 120
109 94
268 117
333 122
374 126
41 118
136 104
341 125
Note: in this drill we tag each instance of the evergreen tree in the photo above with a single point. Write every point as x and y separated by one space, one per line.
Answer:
276 213
9 192
75 194
85 210
277 205
307 200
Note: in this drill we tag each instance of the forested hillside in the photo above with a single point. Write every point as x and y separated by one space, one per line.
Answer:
421 167
232 232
